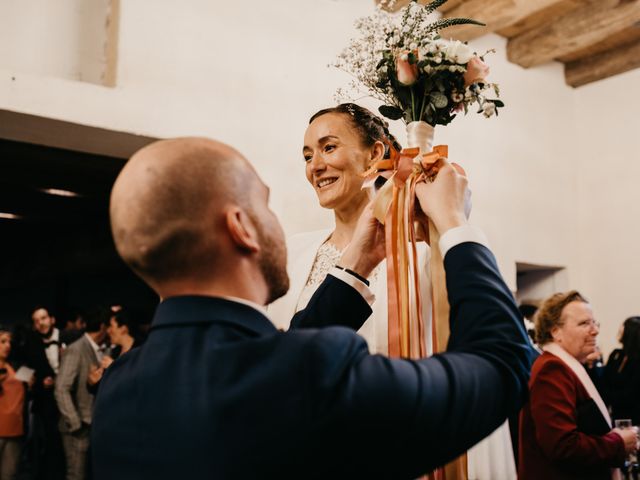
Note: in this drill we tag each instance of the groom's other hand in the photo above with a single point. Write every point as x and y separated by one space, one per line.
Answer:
367 248
443 200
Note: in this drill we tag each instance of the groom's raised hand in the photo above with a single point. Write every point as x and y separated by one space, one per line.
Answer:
443 200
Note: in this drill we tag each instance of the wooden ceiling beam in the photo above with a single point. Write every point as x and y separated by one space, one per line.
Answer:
603 65
575 31
541 17
451 4
619 39
496 14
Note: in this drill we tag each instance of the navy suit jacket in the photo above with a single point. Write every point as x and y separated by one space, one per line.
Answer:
218 392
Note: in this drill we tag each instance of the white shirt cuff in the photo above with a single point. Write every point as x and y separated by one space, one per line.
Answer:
352 281
461 234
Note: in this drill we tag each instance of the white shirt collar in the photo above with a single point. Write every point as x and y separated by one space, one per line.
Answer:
93 344
260 308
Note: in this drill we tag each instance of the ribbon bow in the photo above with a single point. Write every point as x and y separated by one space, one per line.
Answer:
394 207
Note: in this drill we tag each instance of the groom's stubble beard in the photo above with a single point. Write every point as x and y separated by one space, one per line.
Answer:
273 260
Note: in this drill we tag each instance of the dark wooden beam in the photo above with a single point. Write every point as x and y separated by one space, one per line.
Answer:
577 30
603 65
496 14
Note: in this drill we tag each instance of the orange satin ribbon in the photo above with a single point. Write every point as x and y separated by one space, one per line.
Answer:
394 206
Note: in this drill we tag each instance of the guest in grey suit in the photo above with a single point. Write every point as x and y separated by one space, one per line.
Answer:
75 402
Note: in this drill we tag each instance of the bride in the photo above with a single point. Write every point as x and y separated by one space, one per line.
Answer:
340 144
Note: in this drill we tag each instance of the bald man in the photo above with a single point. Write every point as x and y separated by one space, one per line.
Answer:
218 392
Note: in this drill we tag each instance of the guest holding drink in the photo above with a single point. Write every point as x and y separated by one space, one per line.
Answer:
565 428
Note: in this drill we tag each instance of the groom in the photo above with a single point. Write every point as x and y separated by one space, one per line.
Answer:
218 392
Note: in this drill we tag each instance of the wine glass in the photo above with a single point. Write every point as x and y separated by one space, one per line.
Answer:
631 463
623 423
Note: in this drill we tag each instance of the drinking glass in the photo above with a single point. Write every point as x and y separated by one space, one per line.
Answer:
631 464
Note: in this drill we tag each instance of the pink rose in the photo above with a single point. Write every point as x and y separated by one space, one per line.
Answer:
477 71
407 72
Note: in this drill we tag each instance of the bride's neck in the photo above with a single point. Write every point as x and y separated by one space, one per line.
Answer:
346 220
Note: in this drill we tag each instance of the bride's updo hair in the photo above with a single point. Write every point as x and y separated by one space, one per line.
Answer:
370 127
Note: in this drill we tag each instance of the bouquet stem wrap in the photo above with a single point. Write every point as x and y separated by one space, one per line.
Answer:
410 334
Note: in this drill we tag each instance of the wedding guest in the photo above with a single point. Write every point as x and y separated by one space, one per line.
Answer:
594 365
41 352
73 328
565 428
622 373
217 386
12 394
340 144
74 400
124 332
528 311
44 324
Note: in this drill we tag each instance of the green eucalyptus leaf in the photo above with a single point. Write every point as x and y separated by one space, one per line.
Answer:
439 99
391 112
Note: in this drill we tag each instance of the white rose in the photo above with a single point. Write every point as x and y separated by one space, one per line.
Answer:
488 109
458 52
441 44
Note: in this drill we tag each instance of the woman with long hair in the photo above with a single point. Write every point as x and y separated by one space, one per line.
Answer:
622 374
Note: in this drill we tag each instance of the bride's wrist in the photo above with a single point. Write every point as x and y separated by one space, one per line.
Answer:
356 264
354 274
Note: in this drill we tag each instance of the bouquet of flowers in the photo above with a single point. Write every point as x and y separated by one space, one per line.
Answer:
419 76
425 80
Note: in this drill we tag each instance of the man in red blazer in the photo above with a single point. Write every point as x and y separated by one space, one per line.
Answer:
565 429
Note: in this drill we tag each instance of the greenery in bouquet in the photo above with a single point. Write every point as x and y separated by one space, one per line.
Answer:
401 60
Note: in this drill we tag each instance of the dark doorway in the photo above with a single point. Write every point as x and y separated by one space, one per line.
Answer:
56 243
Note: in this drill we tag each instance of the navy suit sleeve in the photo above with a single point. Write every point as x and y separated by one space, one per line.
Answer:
334 303
426 412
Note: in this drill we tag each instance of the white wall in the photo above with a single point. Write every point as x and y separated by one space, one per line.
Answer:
607 165
61 38
251 73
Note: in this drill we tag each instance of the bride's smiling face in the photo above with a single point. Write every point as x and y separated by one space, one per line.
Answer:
335 159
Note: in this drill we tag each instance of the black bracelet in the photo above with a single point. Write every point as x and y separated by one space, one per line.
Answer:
351 272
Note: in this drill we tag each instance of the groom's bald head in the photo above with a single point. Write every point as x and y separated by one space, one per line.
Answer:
167 203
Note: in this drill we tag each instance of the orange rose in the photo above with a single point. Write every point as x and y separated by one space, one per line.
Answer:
477 71
407 72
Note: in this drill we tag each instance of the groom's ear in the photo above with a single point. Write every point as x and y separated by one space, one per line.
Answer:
241 229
